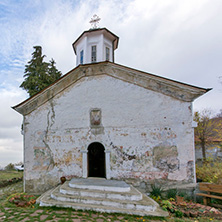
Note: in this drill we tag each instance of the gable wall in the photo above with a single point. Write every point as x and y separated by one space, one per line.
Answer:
149 135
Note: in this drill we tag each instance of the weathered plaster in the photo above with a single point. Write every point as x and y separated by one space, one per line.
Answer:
146 135
166 158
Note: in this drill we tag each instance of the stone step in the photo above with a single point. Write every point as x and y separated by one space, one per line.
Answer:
145 204
100 184
46 200
133 194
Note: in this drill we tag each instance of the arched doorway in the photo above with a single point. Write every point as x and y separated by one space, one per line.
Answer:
96 160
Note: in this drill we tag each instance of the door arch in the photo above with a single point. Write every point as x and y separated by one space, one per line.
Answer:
96 160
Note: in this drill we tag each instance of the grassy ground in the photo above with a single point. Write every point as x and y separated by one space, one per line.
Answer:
60 215
7 175
9 212
34 213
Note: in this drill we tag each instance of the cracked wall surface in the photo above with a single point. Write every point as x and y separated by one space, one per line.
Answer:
149 135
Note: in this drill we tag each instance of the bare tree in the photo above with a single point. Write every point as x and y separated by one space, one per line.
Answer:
207 130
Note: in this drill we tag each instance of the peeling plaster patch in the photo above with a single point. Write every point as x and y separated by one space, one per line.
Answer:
123 155
124 134
178 175
41 158
39 136
56 139
148 153
123 161
165 158
141 176
163 134
150 175
190 108
72 157
143 164
73 170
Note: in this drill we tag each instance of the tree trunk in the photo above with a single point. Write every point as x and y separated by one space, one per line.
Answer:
203 150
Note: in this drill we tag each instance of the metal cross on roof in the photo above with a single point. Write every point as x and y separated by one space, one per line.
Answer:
94 20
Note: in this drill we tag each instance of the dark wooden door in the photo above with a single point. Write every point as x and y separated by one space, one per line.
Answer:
96 160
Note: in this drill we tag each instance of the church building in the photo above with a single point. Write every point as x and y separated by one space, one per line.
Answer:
103 119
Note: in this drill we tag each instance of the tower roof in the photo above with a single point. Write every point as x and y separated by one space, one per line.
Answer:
106 32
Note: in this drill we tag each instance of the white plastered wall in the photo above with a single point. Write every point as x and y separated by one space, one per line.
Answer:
137 122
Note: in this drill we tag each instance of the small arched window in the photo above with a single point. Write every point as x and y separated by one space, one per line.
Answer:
81 57
93 54
107 54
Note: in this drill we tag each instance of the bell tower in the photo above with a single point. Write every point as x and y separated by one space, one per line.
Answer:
95 45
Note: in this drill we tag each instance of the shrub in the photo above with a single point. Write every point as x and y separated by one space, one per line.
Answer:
166 205
210 171
5 183
156 191
10 166
171 193
22 199
178 213
182 193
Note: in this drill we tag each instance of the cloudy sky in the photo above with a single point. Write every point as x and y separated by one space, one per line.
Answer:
177 39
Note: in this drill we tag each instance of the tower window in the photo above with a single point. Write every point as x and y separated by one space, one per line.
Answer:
93 54
81 57
107 54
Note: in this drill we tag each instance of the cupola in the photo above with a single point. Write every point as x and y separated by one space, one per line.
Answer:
95 45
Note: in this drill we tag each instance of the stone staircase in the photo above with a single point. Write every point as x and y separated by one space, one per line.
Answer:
101 195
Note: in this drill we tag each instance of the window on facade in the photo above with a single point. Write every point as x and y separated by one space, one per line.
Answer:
107 54
81 57
93 54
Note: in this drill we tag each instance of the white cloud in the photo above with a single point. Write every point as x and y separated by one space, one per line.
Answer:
10 126
11 151
177 39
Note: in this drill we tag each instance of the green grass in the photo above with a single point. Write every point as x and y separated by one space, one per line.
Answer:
13 213
7 175
5 192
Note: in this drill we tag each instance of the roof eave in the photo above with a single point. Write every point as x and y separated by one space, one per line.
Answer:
116 38
175 89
